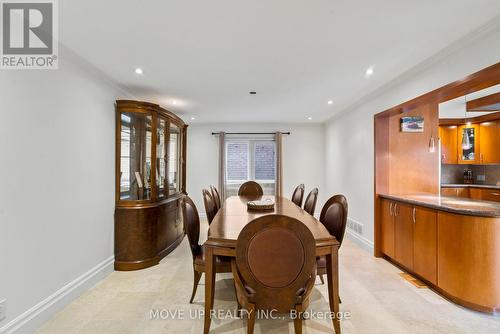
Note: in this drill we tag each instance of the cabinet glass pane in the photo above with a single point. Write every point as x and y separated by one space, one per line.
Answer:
161 162
135 156
174 159
468 144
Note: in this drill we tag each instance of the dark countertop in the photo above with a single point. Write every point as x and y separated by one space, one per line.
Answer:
464 206
458 185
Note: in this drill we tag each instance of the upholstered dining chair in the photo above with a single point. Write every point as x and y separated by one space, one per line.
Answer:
298 195
250 188
210 207
275 267
192 225
334 217
310 203
216 197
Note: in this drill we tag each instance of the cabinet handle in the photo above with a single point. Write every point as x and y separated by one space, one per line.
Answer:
481 156
390 209
395 209
495 194
414 215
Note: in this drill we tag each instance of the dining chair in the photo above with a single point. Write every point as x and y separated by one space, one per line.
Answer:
210 207
334 217
216 197
192 225
274 268
310 203
250 188
298 195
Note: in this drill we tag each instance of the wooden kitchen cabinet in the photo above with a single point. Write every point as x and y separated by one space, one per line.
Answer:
403 234
425 243
449 140
455 192
387 226
490 142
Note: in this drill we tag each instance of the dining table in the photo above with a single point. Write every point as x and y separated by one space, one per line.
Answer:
231 219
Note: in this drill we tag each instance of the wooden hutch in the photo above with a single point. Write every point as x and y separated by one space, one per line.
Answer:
150 180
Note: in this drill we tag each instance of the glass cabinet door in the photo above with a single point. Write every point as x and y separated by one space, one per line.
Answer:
135 156
174 159
161 159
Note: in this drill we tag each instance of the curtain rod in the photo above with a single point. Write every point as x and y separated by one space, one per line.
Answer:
250 133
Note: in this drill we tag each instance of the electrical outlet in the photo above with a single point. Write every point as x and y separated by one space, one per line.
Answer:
481 178
2 308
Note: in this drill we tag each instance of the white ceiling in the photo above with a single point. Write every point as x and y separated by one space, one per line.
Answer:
297 55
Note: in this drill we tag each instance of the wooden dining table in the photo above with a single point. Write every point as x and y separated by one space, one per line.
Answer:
227 225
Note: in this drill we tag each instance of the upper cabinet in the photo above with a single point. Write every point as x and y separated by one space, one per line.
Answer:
150 155
490 142
449 139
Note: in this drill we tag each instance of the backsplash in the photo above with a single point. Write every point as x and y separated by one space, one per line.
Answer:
455 174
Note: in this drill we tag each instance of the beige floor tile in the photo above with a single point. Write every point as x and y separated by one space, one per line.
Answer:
378 300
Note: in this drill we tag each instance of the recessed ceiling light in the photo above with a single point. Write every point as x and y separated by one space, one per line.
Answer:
174 102
369 71
138 71
309 118
193 118
252 93
330 102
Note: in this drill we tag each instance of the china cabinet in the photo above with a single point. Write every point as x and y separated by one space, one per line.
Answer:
150 180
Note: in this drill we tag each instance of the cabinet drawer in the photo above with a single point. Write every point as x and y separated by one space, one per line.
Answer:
490 195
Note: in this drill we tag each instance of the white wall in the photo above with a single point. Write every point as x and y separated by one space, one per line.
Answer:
57 191
302 157
349 137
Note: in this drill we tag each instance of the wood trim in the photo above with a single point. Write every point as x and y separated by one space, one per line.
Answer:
484 78
478 119
479 105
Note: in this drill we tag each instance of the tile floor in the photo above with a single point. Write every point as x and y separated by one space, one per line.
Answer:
377 298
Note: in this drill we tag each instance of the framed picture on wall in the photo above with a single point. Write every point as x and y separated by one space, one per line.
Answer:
412 124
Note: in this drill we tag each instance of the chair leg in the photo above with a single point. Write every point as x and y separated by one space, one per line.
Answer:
297 322
252 314
322 280
197 277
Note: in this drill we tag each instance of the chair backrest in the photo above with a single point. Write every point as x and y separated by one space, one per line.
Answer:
334 216
310 203
298 194
250 188
275 256
191 223
216 196
210 208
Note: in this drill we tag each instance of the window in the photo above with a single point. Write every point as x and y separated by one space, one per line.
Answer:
250 159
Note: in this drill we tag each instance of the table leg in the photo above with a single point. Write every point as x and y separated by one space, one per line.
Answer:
332 271
209 286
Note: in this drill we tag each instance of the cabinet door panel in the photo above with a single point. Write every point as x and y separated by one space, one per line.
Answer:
449 138
490 142
387 245
425 244
404 235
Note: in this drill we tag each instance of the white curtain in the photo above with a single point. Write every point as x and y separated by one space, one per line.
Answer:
222 166
279 164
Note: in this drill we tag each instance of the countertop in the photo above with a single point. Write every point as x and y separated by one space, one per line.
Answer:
464 206
458 185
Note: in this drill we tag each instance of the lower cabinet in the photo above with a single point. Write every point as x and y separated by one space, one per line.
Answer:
425 243
403 234
409 236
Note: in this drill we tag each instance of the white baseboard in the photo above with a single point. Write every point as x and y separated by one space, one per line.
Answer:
33 318
360 240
